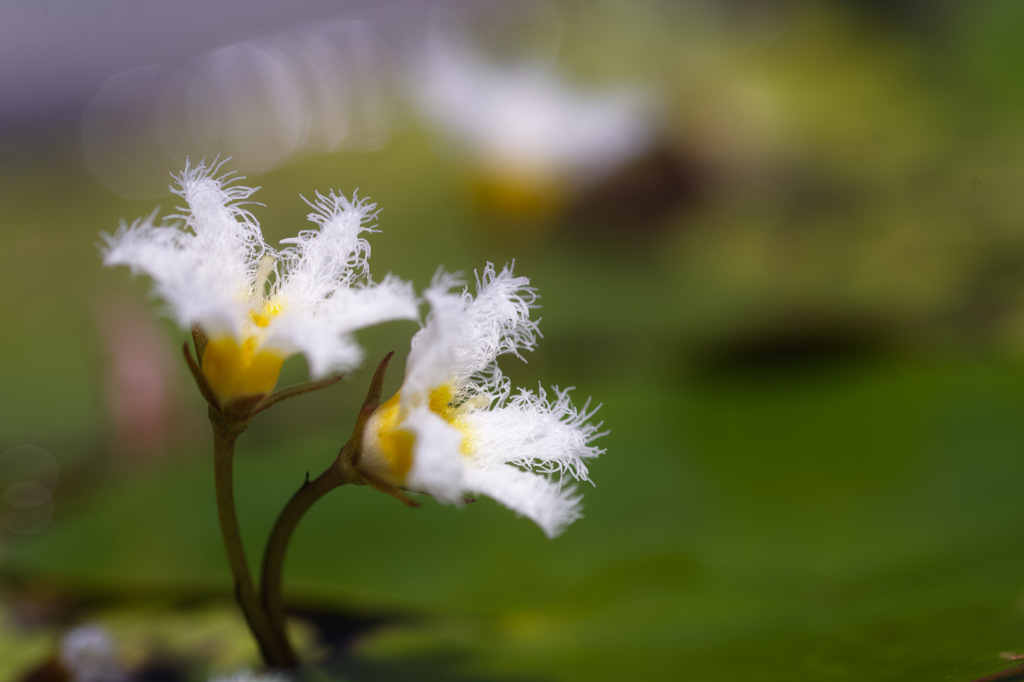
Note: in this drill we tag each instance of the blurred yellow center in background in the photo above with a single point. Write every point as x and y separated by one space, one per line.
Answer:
518 193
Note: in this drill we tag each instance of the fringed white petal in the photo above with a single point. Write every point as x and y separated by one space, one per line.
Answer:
535 433
364 306
215 206
437 465
225 232
204 272
326 348
498 320
546 503
331 257
431 361
465 335
323 331
324 293
187 276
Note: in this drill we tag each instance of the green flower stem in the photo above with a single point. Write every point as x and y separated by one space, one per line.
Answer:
335 476
344 469
275 651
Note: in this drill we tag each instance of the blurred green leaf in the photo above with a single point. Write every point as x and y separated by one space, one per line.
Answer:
845 523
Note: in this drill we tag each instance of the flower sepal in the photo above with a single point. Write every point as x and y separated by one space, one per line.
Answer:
199 340
349 457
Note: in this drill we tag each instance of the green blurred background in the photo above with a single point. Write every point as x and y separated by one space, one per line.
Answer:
801 305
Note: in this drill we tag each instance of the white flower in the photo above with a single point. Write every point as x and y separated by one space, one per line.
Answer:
213 269
454 428
87 653
248 676
524 124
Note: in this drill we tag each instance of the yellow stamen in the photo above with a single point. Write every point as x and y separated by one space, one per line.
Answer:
441 400
442 403
262 317
388 447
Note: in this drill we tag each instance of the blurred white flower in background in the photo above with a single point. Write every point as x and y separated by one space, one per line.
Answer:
249 676
88 654
525 130
342 85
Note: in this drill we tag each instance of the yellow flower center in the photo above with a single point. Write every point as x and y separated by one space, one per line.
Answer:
262 317
235 369
388 445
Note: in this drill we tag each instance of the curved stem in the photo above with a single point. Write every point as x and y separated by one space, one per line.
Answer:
343 470
275 652
281 535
